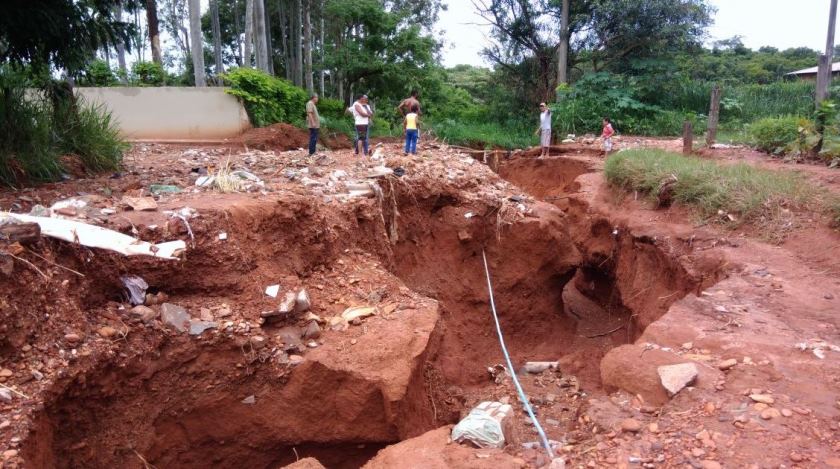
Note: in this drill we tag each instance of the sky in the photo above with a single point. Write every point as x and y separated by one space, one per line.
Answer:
777 23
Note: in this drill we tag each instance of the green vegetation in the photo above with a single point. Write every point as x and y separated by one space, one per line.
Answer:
743 190
775 134
39 129
267 99
482 135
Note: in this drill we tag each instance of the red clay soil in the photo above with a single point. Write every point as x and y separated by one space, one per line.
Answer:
606 285
285 137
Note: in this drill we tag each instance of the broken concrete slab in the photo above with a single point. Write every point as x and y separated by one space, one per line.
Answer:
175 316
197 326
675 378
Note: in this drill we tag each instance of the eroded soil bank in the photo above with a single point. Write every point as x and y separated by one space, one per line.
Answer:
575 280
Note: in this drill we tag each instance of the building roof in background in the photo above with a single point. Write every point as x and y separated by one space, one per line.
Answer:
835 67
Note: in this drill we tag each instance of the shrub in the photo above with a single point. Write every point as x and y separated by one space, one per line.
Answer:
777 134
331 108
148 74
98 73
267 99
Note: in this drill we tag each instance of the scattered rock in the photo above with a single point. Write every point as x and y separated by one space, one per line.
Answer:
557 463
538 367
709 464
6 373
653 427
5 424
763 398
250 400
302 302
107 332
727 364
139 203
175 316
796 457
296 359
358 312
5 395
630 425
312 331
802 411
257 342
72 338
197 326
156 299
676 377
698 452
143 313
291 337
36 375
771 413
286 307
709 408
787 412
9 454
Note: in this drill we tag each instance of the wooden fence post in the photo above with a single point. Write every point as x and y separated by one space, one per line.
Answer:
714 116
688 138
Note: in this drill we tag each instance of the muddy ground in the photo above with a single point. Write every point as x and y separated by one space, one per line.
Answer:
603 283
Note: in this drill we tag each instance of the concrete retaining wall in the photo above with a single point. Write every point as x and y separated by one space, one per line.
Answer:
172 113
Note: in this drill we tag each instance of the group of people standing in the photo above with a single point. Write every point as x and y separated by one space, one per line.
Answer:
409 108
362 114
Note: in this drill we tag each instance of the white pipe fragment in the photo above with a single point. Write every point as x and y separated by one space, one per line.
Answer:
97 237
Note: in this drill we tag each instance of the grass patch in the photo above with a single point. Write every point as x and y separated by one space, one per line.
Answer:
750 194
834 211
483 135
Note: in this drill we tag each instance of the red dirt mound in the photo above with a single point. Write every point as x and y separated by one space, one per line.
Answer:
284 137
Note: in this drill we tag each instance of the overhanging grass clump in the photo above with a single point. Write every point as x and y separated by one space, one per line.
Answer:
747 192
38 127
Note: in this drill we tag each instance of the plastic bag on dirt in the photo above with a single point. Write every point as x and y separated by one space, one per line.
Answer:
484 426
136 288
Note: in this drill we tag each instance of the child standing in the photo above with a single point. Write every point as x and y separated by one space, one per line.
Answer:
607 134
411 123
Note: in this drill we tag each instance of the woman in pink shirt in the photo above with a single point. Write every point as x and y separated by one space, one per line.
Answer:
607 134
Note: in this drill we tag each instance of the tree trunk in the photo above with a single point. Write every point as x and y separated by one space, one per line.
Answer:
197 48
217 32
269 43
237 31
563 50
154 30
323 48
260 46
284 43
249 32
307 46
299 42
714 115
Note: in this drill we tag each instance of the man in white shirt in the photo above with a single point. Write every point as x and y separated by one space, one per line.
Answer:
544 130
361 119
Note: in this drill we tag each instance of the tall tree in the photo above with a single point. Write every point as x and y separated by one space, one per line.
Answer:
563 48
62 34
154 30
175 15
217 36
120 46
260 43
307 45
197 49
249 32
296 33
323 48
